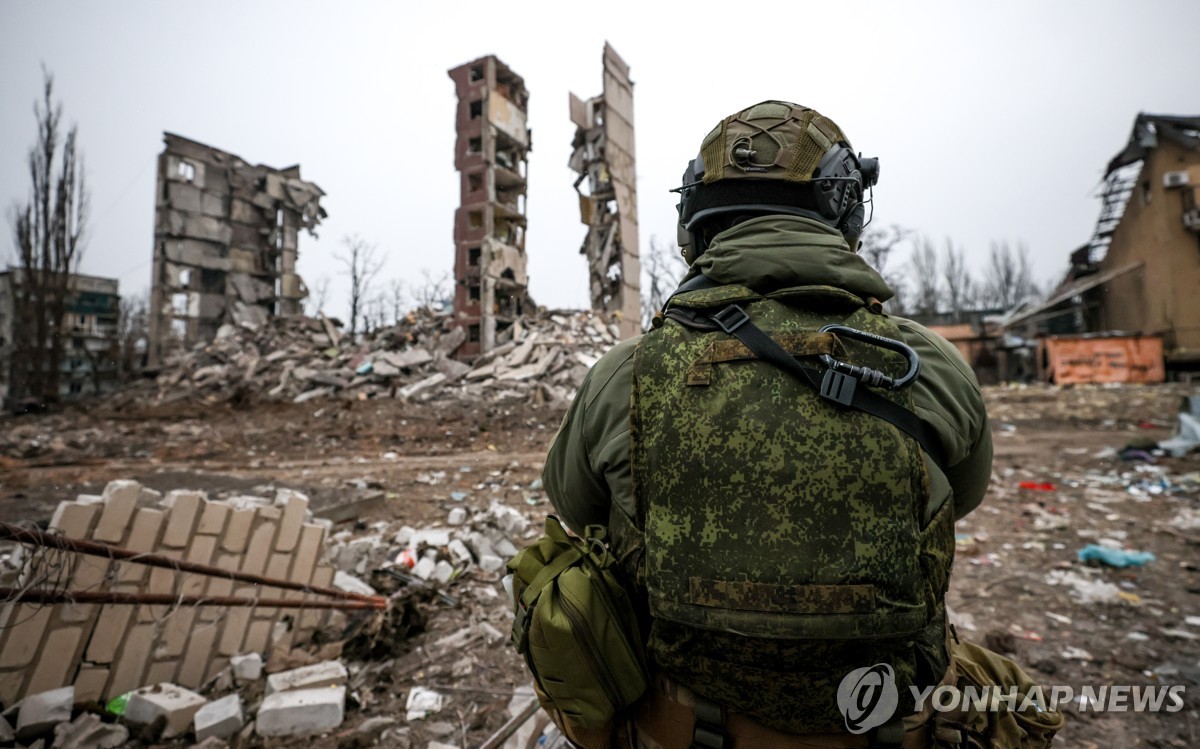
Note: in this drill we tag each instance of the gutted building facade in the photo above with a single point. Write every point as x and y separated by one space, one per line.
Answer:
603 155
491 154
1138 276
1158 234
91 346
225 244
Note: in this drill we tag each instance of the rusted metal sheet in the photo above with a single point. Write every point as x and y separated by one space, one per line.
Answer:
1098 360
603 155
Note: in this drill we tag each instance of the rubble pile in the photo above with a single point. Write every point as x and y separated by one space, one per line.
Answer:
256 690
304 358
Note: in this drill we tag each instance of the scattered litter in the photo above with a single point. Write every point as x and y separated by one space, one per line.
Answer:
1119 558
422 703
1038 486
1071 653
1187 435
1084 590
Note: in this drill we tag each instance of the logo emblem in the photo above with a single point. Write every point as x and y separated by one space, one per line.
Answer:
867 697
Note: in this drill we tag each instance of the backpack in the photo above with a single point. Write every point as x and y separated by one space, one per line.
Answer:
787 540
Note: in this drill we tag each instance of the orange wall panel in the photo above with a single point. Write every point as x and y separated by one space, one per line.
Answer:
1091 360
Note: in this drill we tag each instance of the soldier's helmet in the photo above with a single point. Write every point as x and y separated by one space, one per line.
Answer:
775 157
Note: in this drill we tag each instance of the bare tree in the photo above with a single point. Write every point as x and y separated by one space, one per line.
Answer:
662 268
316 300
1009 277
958 283
433 290
878 245
48 230
396 299
923 271
133 324
362 262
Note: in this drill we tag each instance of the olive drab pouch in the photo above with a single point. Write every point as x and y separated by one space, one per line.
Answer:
1023 720
575 627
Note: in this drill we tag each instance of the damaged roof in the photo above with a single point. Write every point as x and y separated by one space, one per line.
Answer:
1148 128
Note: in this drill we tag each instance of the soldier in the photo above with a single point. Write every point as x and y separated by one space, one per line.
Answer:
779 494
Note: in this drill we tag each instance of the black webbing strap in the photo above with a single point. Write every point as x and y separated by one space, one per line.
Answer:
734 321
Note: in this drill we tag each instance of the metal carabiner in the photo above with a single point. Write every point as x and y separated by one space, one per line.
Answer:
866 375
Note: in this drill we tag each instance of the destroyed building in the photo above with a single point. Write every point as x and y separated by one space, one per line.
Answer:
603 155
89 362
1136 279
491 154
225 243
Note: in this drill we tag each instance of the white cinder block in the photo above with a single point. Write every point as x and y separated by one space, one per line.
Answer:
305 712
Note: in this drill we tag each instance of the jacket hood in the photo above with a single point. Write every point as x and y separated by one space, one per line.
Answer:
777 252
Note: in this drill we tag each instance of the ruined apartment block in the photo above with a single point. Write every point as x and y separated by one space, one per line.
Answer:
491 155
225 244
603 156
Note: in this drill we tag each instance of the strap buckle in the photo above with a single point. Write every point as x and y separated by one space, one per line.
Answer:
838 387
731 318
709 731
520 628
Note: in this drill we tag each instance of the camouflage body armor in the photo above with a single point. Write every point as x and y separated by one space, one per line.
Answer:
786 541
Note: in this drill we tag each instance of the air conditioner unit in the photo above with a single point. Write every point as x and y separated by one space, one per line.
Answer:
1191 220
1175 179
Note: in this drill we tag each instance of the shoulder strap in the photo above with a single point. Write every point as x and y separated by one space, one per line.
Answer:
734 321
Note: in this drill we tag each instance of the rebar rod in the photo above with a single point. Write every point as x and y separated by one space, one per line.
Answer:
54 541
20 595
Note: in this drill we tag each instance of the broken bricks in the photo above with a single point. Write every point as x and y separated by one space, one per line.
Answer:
297 358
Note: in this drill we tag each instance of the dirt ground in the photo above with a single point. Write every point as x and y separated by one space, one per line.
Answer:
1016 577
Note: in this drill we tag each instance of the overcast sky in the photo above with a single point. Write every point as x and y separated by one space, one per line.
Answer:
991 122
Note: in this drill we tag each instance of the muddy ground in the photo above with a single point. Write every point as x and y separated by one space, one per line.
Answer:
1015 587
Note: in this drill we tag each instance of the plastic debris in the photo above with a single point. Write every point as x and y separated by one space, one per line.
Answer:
1085 590
117 705
1187 437
1037 486
422 703
1119 558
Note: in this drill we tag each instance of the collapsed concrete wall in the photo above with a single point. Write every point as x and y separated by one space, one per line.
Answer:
105 650
492 156
225 243
603 155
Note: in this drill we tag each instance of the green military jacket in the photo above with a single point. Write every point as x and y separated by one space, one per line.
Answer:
587 472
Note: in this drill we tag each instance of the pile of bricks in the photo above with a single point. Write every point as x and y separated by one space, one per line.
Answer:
106 650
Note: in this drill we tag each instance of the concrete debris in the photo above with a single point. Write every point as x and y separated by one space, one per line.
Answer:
293 359
220 718
89 732
246 668
304 712
176 704
41 712
327 674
